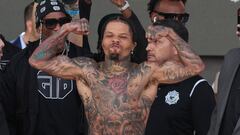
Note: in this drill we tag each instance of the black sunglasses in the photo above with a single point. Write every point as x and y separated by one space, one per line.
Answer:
183 18
52 23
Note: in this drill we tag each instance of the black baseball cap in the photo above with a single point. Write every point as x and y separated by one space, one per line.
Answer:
177 26
47 6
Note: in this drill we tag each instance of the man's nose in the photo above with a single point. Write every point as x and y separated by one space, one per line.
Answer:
58 26
115 40
149 47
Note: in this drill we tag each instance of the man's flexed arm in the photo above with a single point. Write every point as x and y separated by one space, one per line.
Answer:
188 57
45 56
171 72
176 70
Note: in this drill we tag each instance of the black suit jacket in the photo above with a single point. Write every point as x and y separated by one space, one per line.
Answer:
226 78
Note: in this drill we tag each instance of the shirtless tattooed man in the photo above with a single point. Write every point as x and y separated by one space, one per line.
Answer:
117 94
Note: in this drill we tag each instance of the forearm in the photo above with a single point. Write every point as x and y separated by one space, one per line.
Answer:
172 72
140 53
127 13
191 61
85 8
48 48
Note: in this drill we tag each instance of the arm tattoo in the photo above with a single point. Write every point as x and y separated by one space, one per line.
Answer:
186 54
172 72
74 69
50 47
139 77
47 50
190 63
140 71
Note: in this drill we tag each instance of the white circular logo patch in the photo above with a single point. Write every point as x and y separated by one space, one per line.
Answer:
172 97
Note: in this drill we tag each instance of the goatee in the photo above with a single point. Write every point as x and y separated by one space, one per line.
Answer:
114 57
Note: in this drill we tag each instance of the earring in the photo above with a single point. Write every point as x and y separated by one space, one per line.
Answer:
155 19
131 51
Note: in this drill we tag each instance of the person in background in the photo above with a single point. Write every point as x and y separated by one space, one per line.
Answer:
225 119
7 51
168 9
36 103
30 34
1 47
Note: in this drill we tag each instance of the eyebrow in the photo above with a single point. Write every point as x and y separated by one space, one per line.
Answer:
109 32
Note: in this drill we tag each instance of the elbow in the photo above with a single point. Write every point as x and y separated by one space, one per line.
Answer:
35 63
32 62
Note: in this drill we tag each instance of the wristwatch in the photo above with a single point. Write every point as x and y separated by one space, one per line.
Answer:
125 6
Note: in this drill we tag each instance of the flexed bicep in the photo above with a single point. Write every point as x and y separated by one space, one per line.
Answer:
46 56
63 67
171 72
74 69
188 57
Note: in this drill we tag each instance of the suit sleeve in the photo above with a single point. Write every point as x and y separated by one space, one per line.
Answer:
203 103
140 53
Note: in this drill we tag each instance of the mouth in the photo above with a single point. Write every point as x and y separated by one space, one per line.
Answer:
114 48
150 57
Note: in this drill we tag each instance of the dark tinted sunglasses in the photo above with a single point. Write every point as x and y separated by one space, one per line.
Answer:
183 18
52 23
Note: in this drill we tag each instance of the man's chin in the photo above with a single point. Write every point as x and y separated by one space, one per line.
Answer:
114 56
150 59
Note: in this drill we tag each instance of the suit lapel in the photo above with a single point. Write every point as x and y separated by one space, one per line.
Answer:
236 130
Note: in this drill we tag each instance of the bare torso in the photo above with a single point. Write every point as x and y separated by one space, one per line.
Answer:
116 105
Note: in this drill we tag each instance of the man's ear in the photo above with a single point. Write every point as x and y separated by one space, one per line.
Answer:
175 51
153 17
134 45
29 25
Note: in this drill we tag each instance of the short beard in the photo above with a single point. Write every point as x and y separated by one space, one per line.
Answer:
114 57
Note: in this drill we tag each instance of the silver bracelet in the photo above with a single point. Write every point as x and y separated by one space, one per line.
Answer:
125 6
